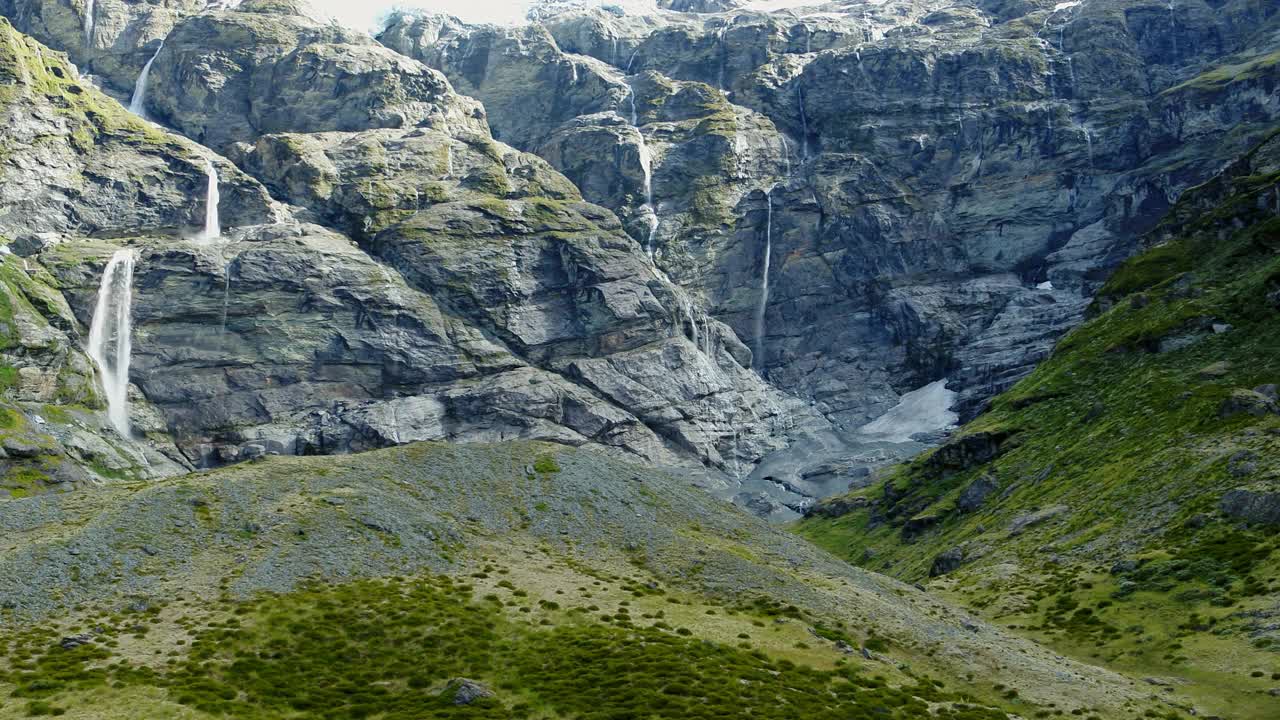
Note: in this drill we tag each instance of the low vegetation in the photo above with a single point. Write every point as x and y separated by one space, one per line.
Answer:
1087 508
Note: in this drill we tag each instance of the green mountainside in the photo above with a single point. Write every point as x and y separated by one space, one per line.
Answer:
1121 504
566 583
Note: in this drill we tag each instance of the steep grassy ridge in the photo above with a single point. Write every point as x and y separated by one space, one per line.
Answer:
1121 503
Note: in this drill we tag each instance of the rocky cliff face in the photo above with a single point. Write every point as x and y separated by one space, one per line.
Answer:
426 282
930 165
650 232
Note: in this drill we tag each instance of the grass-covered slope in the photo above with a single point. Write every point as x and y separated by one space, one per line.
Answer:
1122 503
567 583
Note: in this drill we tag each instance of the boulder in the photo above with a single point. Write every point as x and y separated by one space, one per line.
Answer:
462 691
1247 402
975 494
1259 505
947 561
1214 371
1022 523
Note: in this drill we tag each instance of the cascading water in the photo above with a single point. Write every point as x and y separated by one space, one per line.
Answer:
646 166
138 103
723 51
764 279
686 307
88 23
110 336
212 227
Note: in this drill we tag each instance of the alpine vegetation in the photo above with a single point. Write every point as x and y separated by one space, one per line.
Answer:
683 359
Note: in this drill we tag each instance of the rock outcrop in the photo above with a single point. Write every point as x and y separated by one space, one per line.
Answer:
849 203
424 283
949 185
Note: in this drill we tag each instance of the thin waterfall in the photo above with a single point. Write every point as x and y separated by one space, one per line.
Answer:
764 279
110 336
632 59
88 23
631 97
138 103
723 52
686 307
646 166
212 227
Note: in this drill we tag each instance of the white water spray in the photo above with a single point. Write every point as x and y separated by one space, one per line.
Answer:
110 336
722 52
138 103
88 23
764 279
649 208
212 227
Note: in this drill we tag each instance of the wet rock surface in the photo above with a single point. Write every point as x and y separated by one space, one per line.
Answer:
450 226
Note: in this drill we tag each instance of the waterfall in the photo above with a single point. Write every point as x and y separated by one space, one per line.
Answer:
88 23
212 228
138 103
1088 139
110 336
653 232
686 308
764 279
632 59
804 126
631 97
723 53
786 153
646 165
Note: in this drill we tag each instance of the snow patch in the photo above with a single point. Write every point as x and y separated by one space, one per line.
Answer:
1046 285
927 409
1066 5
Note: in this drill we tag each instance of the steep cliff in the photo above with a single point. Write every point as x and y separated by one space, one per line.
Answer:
1121 503
474 294
929 165
814 211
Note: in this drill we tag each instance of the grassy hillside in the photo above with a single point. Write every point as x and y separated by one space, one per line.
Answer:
1121 504
565 582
